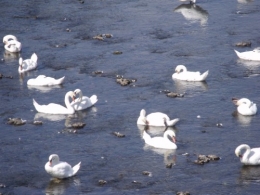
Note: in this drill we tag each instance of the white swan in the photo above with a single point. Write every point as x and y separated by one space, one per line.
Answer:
155 119
247 155
28 64
83 102
12 44
56 108
161 142
249 55
59 169
245 106
181 73
42 80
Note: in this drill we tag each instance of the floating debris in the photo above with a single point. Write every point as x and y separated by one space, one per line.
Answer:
16 121
243 44
2 185
183 193
206 158
2 76
169 166
98 37
117 52
78 125
101 37
98 72
219 125
213 157
147 173
102 182
124 82
37 122
198 116
136 182
118 134
171 94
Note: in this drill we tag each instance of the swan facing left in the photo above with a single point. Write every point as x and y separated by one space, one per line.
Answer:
12 44
59 169
43 80
83 102
247 155
181 73
53 108
28 64
245 106
253 55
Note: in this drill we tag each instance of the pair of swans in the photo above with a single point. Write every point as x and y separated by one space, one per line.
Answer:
82 102
43 80
60 169
28 64
247 155
245 106
181 73
12 44
253 55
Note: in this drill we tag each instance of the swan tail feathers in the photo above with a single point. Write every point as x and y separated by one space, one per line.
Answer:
60 80
36 105
76 168
204 75
93 99
34 57
172 122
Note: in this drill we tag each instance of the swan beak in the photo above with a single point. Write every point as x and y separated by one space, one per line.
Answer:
240 156
174 139
50 163
21 67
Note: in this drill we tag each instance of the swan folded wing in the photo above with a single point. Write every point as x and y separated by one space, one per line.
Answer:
52 108
157 119
63 170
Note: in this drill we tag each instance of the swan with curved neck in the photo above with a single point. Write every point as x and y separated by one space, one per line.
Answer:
28 64
155 119
12 44
181 73
245 106
42 80
56 108
253 55
166 142
247 155
60 169
83 102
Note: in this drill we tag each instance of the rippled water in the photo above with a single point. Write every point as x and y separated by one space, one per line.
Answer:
154 37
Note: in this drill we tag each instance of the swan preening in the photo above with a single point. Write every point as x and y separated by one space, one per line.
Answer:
42 80
12 44
166 142
247 155
83 102
181 73
56 108
28 64
245 106
155 119
253 55
59 169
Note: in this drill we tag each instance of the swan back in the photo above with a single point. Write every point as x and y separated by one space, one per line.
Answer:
28 64
181 73
249 55
245 106
42 80
83 102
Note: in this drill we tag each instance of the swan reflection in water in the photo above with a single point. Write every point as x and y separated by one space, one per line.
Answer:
249 175
169 155
193 13
11 56
244 1
58 186
243 120
44 89
249 63
184 86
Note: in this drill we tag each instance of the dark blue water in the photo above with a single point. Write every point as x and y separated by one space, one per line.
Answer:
154 37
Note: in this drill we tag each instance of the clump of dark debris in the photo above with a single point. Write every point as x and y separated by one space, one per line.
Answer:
101 37
118 134
183 193
3 76
124 82
206 158
171 94
16 121
243 44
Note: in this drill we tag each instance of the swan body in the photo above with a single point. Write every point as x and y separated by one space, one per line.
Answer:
155 119
59 169
247 155
253 55
181 73
12 44
56 108
161 142
42 80
83 102
245 106
28 64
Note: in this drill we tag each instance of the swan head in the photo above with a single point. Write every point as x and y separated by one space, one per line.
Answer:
78 91
241 101
180 68
53 160
240 150
21 63
169 134
9 38
142 118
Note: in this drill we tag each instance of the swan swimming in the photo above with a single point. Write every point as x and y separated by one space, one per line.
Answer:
165 142
247 155
28 64
155 119
181 73
56 108
245 106
59 169
83 102
12 44
42 80
253 55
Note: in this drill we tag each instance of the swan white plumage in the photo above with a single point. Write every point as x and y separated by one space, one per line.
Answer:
155 119
245 106
56 108
42 80
165 142
181 73
247 155
83 102
28 64
253 55
12 44
59 169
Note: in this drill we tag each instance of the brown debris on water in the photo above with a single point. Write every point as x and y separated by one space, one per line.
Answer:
171 94
243 44
102 182
124 82
183 193
118 134
202 159
16 121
